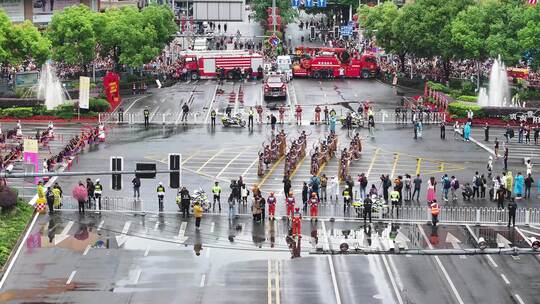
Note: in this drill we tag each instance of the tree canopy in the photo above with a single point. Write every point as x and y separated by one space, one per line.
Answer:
20 42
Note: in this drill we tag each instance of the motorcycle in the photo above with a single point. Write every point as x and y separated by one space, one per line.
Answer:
235 120
378 206
200 197
357 121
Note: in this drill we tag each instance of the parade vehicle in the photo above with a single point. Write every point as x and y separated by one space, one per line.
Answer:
275 86
224 64
233 121
335 63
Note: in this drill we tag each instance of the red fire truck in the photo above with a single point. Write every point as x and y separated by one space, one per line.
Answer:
228 64
328 65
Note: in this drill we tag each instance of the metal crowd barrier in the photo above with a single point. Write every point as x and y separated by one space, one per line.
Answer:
459 215
158 118
107 204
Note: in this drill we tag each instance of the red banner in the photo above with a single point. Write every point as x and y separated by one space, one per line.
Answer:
111 83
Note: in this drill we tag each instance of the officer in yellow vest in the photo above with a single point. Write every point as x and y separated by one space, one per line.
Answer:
346 199
161 195
146 114
250 117
394 200
216 191
213 117
98 189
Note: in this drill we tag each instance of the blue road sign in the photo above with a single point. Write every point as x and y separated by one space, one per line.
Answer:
346 30
295 3
322 3
309 3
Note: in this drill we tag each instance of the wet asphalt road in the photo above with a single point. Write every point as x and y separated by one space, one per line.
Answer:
146 255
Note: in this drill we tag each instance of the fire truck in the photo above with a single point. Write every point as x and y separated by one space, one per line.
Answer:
336 64
226 64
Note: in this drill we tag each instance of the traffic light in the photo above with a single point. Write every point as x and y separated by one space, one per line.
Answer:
117 164
146 167
174 164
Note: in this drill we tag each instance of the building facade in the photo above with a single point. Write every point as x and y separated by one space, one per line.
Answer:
40 11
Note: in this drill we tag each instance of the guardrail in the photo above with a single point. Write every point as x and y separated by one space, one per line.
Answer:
158 118
107 204
459 215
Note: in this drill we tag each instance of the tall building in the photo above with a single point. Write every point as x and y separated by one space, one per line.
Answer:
40 11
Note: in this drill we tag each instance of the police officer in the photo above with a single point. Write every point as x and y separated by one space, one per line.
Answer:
394 199
98 189
512 207
368 204
120 114
146 114
185 199
250 117
216 191
161 194
346 199
213 117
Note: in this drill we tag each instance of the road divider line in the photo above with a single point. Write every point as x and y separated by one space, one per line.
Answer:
388 270
208 252
394 165
100 225
265 177
441 266
518 298
269 292
209 160
230 162
154 114
372 163
71 276
209 110
86 250
334 280
137 276
505 279
212 227
520 231
156 226
147 250
418 164
278 291
250 166
133 103
203 278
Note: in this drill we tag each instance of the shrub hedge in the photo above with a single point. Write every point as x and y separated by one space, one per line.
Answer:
21 112
12 224
468 98
65 111
459 110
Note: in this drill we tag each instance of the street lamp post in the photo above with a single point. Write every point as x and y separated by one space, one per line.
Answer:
274 15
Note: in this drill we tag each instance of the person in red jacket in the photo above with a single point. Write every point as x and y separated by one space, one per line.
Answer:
260 112
271 200
314 206
317 114
290 204
297 223
298 115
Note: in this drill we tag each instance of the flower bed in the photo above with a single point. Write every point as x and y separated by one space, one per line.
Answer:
12 224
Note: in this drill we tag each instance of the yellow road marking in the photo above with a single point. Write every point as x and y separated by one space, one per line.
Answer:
230 162
188 158
396 159
441 166
373 159
209 160
297 166
271 171
418 162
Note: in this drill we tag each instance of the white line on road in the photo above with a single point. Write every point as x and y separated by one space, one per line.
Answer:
133 103
126 227
137 276
229 163
147 250
71 276
86 250
202 280
156 226
520 231
252 164
209 160
100 225
209 108
212 227
23 242
208 252
325 244
441 266
154 114
518 298
393 280
334 281
505 279
492 261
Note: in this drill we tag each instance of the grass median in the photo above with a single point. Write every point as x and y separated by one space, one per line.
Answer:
12 224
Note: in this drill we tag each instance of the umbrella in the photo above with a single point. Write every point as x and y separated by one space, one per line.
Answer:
80 193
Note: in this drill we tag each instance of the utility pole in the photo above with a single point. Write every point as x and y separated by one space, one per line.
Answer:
274 15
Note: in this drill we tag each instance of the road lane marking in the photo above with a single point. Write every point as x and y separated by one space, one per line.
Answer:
209 160
154 114
230 162
86 250
520 231
334 280
418 164
203 278
505 279
372 163
137 276
211 104
388 270
182 232
277 266
518 298
208 252
156 226
269 294
100 225
396 159
271 171
212 227
71 276
23 242
326 245
147 250
441 266
492 261
133 103
250 166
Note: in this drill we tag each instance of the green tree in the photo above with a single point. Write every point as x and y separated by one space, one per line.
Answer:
73 37
132 37
286 11
5 30
27 42
529 35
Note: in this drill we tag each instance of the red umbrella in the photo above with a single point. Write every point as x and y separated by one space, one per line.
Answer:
80 193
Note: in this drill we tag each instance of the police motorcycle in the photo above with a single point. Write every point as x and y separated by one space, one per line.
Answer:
378 206
199 196
357 120
232 121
